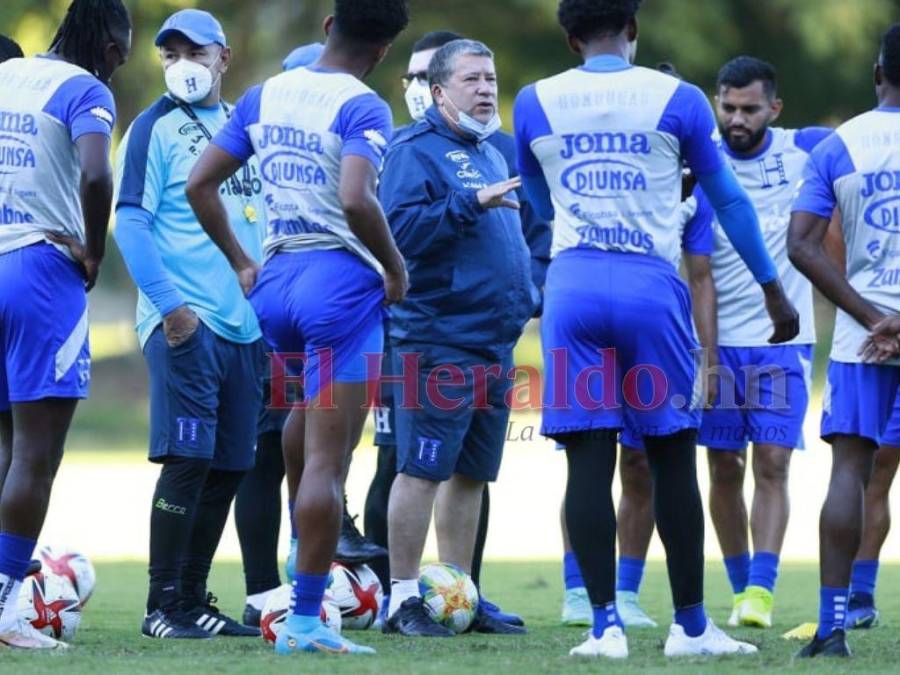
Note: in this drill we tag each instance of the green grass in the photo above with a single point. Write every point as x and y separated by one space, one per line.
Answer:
109 643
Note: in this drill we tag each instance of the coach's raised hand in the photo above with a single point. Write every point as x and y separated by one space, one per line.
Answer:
494 196
784 316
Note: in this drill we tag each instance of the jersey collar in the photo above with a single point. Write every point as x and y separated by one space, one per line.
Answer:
605 63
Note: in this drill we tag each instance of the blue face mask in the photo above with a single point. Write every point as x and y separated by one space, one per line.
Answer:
481 131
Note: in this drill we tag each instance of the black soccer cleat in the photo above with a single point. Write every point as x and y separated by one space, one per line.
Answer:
208 617
490 625
171 625
413 620
33 568
252 616
353 548
835 646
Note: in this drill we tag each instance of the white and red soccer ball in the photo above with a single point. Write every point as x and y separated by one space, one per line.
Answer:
275 613
50 604
358 593
72 565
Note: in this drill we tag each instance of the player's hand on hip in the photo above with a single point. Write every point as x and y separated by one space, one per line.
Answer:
494 196
90 266
180 325
396 284
784 316
247 276
883 342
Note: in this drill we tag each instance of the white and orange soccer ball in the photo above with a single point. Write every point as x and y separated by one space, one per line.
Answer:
50 604
450 595
275 612
358 593
72 565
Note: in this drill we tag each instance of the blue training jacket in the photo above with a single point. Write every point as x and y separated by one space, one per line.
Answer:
469 268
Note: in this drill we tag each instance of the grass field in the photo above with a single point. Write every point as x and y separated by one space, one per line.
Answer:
109 642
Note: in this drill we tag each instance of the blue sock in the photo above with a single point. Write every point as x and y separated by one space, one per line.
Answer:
572 572
604 617
692 619
738 568
764 570
832 610
631 572
15 555
291 519
865 574
306 601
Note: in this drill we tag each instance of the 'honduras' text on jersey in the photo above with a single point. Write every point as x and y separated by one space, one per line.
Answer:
301 124
45 106
610 140
858 170
770 178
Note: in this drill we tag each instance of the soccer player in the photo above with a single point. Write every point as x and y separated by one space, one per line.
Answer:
605 142
452 220
764 388
856 171
9 49
320 135
537 237
201 340
56 115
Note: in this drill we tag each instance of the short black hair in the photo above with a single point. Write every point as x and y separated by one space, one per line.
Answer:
587 19
890 54
9 49
371 21
668 68
87 29
435 40
744 71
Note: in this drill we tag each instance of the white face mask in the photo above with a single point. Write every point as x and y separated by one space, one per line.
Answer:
418 99
189 81
480 130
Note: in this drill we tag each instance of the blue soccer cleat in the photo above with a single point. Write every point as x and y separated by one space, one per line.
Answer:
495 612
861 612
321 640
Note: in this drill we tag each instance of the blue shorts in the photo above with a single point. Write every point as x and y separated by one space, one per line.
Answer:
443 429
891 436
619 346
383 413
323 309
859 400
205 396
763 396
44 350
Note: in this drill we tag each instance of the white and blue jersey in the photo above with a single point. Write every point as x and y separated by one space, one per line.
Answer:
320 293
610 141
857 170
300 124
46 105
153 163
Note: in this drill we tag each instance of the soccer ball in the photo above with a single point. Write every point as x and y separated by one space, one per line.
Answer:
73 566
50 604
275 612
449 595
358 593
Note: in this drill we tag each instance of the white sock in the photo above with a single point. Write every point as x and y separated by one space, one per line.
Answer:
258 600
9 601
401 590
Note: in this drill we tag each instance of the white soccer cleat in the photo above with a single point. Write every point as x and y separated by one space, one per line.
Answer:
577 609
630 611
611 645
713 642
22 635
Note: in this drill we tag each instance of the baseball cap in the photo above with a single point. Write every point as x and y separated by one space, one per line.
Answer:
303 56
200 27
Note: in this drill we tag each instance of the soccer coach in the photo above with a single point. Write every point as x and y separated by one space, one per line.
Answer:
470 296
